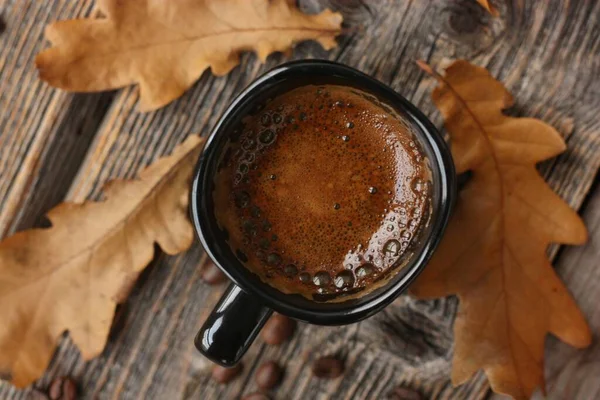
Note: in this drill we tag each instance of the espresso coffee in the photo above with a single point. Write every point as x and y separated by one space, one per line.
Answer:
324 192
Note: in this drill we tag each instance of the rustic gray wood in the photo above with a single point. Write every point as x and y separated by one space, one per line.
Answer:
55 145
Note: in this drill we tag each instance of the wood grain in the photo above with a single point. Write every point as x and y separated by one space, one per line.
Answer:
55 145
44 133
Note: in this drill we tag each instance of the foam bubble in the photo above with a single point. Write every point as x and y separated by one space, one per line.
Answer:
344 279
304 277
290 270
267 136
365 270
311 208
322 278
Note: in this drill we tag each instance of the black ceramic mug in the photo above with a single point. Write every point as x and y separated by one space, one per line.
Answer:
248 302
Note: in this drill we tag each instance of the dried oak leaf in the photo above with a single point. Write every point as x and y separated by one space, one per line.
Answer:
164 46
71 276
489 7
493 254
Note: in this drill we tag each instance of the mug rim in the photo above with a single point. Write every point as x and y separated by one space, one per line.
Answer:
391 290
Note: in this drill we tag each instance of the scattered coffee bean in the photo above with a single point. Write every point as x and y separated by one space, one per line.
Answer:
62 389
404 393
212 274
327 367
268 375
225 375
278 329
256 396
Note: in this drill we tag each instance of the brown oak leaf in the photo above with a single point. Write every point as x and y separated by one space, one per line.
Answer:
164 46
69 277
493 254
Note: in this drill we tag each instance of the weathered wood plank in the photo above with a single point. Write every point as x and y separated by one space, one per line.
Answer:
44 133
547 57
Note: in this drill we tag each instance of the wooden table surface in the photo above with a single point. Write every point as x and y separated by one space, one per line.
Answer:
56 146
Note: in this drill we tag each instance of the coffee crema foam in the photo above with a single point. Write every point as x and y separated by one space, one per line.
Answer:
324 192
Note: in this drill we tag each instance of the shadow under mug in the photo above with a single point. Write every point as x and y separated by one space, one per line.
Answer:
248 302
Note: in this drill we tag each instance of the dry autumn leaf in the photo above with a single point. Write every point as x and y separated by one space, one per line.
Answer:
71 276
489 7
164 46
493 254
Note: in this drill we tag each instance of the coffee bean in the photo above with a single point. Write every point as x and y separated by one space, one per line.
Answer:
268 375
225 375
62 389
327 367
278 329
404 393
256 396
212 274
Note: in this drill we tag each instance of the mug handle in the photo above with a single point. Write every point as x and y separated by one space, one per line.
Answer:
231 327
